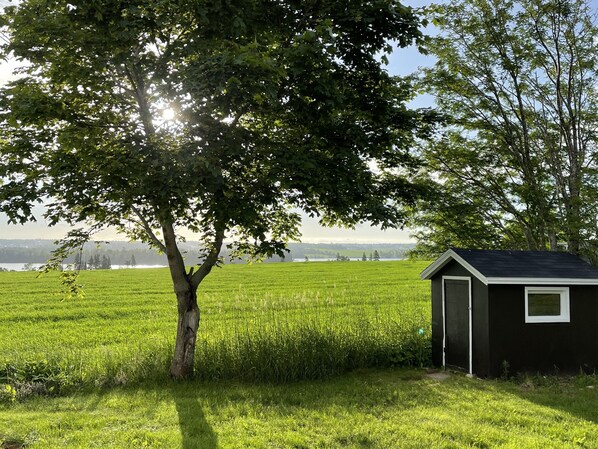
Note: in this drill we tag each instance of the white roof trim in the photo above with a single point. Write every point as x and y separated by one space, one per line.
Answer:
543 281
437 265
446 258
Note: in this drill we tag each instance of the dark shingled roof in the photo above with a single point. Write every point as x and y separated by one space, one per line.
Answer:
528 264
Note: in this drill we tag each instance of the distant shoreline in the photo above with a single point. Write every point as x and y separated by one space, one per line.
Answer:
20 266
123 254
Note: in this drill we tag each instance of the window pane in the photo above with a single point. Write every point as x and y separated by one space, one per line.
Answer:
544 304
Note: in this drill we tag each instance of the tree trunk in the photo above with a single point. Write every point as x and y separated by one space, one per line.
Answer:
554 242
188 323
185 288
573 225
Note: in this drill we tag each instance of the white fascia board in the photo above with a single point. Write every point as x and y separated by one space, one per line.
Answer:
446 258
542 281
431 269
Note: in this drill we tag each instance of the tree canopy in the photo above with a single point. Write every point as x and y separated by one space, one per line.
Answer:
222 117
516 164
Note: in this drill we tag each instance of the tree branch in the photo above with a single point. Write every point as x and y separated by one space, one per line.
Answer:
210 260
148 230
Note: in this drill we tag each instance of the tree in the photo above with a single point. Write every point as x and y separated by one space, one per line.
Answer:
219 117
516 165
364 258
376 255
95 262
79 263
106 264
133 261
341 258
29 267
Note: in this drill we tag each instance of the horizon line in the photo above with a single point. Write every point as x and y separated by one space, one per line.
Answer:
310 241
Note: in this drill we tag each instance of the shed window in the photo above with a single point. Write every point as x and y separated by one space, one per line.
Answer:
547 305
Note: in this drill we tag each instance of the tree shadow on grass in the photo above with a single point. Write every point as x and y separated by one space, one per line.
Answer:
196 432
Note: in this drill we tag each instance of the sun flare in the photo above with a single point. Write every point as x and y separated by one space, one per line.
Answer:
168 114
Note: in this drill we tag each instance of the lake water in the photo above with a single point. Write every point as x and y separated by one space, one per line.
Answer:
21 266
124 267
333 259
18 266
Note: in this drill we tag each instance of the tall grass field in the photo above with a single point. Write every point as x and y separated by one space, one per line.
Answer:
262 322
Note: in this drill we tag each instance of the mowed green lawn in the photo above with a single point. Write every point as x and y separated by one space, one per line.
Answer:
368 409
111 350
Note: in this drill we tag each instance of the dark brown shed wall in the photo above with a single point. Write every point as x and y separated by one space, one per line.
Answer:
543 347
481 334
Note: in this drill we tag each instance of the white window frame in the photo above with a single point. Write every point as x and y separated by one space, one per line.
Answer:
563 317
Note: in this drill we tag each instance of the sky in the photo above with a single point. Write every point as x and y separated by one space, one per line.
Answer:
401 62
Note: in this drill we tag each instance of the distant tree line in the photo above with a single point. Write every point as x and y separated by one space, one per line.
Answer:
374 256
117 253
95 262
133 254
353 251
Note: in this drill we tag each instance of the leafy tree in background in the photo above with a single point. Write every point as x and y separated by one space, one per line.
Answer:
79 261
364 258
376 255
106 264
342 258
219 117
516 165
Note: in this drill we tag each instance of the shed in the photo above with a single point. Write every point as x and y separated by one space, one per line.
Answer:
515 311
